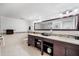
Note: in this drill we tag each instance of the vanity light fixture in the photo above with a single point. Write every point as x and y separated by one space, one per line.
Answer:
76 10
67 11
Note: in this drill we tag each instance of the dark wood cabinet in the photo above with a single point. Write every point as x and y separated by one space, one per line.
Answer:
65 49
31 40
58 49
72 50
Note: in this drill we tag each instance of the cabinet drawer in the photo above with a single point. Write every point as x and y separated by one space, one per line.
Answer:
48 40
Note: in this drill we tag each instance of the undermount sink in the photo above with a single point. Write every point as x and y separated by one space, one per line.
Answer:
46 34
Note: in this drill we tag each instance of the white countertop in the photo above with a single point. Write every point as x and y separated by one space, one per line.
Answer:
63 39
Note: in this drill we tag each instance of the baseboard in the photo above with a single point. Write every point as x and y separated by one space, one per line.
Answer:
20 32
15 32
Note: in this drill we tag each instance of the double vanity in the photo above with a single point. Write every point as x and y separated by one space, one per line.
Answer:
60 46
57 45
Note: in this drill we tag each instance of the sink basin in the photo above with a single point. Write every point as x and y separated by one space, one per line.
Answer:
46 34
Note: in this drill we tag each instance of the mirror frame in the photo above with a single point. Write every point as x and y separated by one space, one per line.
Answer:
77 29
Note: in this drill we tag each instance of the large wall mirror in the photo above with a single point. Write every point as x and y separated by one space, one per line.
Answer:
65 23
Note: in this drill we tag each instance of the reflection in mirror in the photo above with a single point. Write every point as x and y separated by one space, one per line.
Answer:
65 23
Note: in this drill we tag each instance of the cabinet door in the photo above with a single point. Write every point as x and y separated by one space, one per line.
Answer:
31 40
72 50
59 49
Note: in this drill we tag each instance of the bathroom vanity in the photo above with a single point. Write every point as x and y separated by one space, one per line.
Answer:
61 46
57 45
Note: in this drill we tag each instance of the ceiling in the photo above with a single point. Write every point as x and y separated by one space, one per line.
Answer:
32 11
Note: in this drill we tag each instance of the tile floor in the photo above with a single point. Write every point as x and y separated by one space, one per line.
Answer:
16 45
